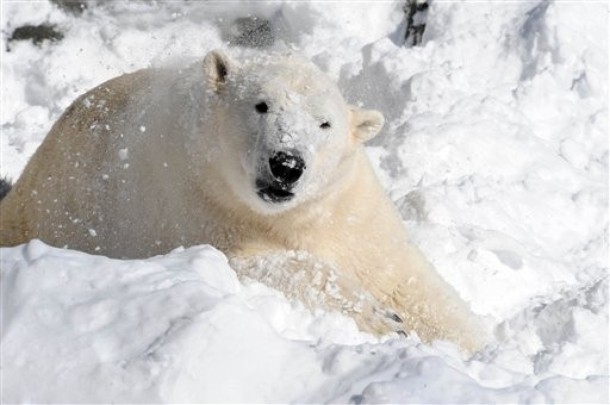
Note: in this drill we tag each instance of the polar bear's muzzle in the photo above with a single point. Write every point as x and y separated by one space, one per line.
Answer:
281 174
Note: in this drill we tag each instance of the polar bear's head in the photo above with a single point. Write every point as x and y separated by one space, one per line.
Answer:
285 134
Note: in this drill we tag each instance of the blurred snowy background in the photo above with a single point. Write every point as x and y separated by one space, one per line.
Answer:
495 151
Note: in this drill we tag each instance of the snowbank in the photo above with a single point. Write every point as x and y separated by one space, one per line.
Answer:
181 328
495 152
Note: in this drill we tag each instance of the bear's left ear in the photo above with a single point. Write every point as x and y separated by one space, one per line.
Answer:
217 67
365 124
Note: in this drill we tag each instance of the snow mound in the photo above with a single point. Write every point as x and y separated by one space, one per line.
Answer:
181 328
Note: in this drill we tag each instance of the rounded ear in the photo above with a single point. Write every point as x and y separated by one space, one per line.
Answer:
365 124
217 67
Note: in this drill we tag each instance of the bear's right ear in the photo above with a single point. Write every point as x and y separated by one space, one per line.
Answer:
217 67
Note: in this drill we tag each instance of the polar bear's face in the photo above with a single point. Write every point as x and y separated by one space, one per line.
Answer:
287 134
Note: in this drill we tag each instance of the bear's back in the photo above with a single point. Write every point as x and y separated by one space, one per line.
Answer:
111 177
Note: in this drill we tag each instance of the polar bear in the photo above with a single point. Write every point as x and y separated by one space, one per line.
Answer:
262 159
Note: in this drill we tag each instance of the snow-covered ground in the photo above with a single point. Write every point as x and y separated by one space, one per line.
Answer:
495 151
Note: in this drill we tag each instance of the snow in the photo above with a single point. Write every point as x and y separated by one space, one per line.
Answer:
495 150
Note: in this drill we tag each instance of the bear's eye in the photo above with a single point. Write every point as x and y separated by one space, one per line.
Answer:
262 107
325 125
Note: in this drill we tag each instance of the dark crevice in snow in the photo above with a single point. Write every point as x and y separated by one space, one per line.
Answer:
71 6
416 12
35 33
253 32
538 42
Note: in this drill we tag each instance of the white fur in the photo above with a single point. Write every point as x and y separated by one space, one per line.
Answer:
157 159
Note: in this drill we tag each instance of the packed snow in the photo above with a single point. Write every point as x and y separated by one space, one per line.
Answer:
495 151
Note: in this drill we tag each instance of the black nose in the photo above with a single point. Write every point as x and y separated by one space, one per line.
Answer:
286 167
